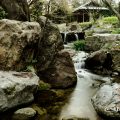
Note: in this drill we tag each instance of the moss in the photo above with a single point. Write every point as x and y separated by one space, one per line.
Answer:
44 86
59 93
40 111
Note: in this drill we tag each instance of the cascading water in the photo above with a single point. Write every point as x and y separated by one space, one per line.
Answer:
76 35
79 104
65 35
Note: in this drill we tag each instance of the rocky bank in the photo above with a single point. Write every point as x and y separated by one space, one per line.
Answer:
108 44
104 59
35 51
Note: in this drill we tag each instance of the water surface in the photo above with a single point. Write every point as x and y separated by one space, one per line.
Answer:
79 104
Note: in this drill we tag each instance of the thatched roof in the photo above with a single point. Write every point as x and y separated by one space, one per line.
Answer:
90 6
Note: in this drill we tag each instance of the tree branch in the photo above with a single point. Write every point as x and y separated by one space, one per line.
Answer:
112 9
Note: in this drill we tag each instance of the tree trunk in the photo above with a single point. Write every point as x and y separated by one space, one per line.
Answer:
16 9
112 9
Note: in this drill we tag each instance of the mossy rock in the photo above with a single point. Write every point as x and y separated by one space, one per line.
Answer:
41 112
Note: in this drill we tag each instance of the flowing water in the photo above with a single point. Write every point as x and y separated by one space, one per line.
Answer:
79 104
76 36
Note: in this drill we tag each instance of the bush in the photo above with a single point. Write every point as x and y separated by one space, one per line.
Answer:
110 20
79 45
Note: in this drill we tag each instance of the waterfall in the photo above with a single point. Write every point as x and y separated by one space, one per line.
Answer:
76 35
79 60
65 35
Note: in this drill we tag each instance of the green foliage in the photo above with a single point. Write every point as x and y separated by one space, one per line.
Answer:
79 45
85 24
110 20
36 10
2 13
116 31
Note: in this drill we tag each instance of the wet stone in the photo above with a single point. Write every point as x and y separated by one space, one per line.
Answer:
24 114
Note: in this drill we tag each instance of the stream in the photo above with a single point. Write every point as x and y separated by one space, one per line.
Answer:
79 104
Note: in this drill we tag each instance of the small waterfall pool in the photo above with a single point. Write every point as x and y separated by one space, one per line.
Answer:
79 104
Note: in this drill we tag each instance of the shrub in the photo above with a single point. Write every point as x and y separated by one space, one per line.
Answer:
110 20
79 45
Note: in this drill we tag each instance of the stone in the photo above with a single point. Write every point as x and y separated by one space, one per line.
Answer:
106 42
54 66
36 47
99 61
107 101
17 88
50 45
61 73
49 97
97 41
24 114
15 38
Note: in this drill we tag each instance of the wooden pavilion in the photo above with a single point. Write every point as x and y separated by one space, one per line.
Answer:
84 12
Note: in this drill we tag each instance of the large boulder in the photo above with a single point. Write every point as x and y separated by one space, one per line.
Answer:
61 72
106 42
54 65
17 89
114 49
51 43
17 40
97 41
20 11
107 101
35 47
99 62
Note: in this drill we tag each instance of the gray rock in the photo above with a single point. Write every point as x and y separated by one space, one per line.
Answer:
107 101
16 89
99 62
50 45
24 114
97 41
15 38
106 42
61 73
54 65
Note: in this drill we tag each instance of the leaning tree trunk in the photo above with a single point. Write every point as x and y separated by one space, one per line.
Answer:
16 9
107 3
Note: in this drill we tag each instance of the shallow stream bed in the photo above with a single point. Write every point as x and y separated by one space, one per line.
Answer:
79 104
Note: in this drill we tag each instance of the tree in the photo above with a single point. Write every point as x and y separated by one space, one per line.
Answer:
109 5
16 9
36 8
75 3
